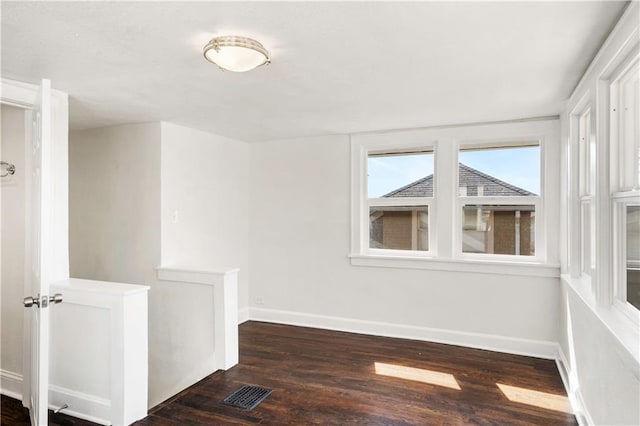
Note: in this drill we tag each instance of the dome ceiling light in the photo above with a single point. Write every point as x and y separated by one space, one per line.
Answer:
237 54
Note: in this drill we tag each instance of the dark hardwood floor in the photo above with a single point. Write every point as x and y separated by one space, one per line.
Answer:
333 378
12 413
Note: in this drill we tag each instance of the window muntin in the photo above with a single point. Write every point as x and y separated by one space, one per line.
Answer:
399 228
497 229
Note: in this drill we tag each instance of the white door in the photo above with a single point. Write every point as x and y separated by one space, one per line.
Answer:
40 253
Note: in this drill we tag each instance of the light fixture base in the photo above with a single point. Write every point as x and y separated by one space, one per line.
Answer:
235 53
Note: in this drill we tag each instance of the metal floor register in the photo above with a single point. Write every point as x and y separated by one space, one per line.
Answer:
247 396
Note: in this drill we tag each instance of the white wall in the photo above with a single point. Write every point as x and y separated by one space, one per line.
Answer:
205 214
12 230
204 224
605 376
125 183
114 203
299 233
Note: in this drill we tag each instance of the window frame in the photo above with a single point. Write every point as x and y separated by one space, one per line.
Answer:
594 89
608 190
362 241
583 155
587 155
461 201
444 217
624 177
620 203
619 162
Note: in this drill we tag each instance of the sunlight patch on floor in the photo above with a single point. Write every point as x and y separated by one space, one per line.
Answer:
536 398
417 374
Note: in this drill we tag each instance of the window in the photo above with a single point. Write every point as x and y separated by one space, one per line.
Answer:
600 153
625 127
399 193
582 193
498 193
457 198
587 184
625 183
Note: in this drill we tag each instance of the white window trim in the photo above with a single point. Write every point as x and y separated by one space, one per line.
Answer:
480 266
618 157
583 193
587 154
622 193
445 226
586 146
360 202
575 170
620 202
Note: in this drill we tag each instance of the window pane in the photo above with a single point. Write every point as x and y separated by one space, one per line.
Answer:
633 255
628 117
400 175
498 229
506 171
587 234
587 152
399 228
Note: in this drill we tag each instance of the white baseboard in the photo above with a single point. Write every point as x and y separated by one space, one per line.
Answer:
243 315
575 396
11 384
512 345
207 368
583 416
80 404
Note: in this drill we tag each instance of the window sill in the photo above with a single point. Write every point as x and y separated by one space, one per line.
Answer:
455 265
621 326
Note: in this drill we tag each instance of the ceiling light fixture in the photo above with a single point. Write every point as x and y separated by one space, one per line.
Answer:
237 54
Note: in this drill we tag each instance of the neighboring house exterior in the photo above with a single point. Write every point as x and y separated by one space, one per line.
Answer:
486 229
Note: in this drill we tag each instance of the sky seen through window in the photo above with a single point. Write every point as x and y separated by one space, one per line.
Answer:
518 166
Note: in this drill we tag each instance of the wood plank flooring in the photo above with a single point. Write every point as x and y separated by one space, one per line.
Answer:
12 413
329 378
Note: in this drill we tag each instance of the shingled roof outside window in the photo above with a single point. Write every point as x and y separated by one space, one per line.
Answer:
469 178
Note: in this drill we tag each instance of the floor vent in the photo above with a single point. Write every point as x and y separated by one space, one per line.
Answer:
247 396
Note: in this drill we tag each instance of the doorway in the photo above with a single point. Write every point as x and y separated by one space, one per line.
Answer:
40 179
13 213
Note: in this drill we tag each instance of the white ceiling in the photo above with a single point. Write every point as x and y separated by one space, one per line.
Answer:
336 67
